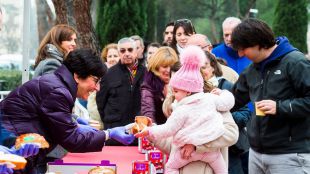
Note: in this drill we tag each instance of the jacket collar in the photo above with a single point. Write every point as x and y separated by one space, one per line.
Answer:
140 70
195 98
67 78
52 51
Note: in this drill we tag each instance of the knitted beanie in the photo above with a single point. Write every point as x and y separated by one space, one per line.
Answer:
188 77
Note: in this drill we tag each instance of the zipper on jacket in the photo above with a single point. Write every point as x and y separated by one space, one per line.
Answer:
261 83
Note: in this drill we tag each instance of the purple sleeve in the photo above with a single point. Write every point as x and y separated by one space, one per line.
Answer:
147 103
56 111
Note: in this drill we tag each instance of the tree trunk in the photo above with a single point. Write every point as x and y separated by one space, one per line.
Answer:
44 18
214 32
61 11
76 13
84 26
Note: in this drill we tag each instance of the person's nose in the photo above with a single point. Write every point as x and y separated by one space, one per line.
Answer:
73 43
240 53
168 69
183 37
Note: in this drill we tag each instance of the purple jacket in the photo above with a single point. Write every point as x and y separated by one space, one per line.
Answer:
152 98
44 105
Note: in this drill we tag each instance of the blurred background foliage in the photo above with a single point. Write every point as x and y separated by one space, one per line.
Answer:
120 18
99 22
10 79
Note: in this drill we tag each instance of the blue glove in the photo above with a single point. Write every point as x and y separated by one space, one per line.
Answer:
26 150
85 128
119 134
5 170
82 121
4 149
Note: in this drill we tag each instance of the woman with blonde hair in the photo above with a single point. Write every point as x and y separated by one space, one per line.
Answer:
56 44
154 87
110 55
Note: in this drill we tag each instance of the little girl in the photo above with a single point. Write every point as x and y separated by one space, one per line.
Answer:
195 118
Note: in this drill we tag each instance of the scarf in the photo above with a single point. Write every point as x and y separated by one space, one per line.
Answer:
133 71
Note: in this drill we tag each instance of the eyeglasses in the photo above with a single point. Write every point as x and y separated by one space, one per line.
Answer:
123 50
96 79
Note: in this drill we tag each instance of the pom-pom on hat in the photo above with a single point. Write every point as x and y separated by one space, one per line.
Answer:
188 77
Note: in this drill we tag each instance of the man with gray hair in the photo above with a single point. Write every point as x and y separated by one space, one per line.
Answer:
225 51
119 99
238 158
140 46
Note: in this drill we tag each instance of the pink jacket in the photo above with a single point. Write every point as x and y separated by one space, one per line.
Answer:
195 119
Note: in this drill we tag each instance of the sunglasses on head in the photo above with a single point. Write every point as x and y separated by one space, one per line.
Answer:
123 50
185 21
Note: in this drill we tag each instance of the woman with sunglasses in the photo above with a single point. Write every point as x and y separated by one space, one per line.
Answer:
183 28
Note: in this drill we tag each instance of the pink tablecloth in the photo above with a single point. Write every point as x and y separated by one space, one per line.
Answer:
122 156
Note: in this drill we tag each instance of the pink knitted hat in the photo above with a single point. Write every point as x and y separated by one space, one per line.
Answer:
188 77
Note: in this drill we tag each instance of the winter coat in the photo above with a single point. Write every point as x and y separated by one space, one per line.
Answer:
52 61
232 58
118 100
241 117
229 138
152 98
284 78
44 105
196 119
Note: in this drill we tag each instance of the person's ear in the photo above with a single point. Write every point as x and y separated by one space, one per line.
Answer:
76 77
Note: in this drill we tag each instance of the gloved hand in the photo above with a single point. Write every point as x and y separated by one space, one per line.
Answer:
5 170
4 150
119 134
26 150
85 128
82 121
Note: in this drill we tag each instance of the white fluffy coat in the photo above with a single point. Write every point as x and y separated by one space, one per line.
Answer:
195 119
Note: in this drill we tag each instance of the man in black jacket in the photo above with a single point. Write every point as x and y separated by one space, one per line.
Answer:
278 83
119 99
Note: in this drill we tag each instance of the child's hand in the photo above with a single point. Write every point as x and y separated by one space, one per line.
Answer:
187 150
143 133
216 91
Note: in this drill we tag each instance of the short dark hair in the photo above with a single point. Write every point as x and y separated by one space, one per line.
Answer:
252 32
84 62
153 44
169 24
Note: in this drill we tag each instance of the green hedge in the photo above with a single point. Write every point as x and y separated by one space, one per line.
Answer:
10 79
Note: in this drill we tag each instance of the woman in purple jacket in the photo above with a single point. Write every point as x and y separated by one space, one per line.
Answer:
44 105
154 87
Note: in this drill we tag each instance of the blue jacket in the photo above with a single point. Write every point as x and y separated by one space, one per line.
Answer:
44 105
231 56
